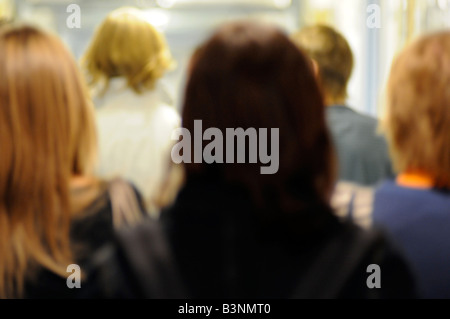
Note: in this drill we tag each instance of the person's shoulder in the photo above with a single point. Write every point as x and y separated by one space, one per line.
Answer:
352 114
388 185
365 119
119 186
89 199
382 271
48 285
390 188
356 254
143 262
391 198
168 114
164 93
110 194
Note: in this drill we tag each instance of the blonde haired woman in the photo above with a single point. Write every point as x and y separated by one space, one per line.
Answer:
52 214
124 64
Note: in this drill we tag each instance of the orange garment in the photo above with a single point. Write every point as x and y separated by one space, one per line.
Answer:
415 180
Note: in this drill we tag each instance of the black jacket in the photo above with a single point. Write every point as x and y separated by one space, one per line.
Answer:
225 250
214 244
90 232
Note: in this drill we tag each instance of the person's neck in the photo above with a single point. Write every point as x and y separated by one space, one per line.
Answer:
79 181
329 101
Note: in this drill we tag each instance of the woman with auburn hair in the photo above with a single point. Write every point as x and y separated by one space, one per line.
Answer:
124 64
415 208
238 231
52 213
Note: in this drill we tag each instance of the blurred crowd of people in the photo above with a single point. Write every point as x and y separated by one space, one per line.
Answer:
87 177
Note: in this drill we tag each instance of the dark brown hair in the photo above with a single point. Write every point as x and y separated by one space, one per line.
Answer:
250 75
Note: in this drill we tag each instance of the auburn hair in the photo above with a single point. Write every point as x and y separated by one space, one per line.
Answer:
47 135
417 119
250 75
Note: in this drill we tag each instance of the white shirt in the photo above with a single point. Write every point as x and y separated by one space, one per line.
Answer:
134 133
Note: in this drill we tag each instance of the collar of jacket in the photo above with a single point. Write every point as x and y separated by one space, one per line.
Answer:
419 180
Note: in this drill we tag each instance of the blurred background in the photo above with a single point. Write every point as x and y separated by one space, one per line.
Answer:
375 29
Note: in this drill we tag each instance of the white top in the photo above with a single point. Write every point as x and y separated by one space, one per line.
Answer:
134 133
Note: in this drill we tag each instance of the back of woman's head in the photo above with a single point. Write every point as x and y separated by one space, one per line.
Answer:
127 45
250 75
418 113
47 135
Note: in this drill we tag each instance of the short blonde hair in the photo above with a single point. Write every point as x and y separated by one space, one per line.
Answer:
418 108
127 45
333 55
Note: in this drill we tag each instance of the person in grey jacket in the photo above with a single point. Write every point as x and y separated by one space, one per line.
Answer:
362 153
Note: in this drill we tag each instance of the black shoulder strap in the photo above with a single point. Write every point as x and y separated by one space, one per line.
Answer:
147 261
125 205
334 265
138 265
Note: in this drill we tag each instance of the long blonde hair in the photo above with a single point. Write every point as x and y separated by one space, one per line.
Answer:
127 45
47 135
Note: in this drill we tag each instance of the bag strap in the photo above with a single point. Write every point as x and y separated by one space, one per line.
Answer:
126 209
351 207
333 266
147 260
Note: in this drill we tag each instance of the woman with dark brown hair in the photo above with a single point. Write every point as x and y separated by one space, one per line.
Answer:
238 231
